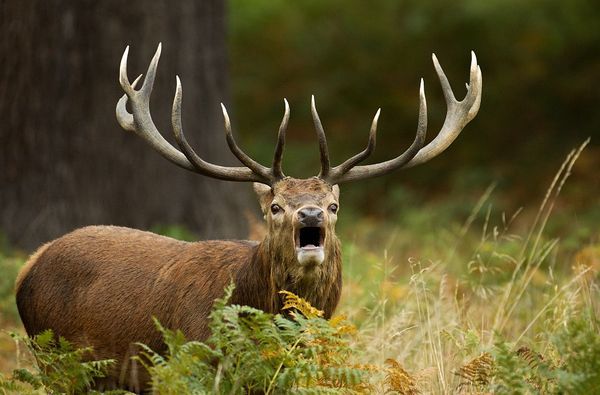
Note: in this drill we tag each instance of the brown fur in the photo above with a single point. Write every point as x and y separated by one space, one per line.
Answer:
100 286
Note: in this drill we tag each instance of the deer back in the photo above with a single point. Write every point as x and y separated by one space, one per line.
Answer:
107 282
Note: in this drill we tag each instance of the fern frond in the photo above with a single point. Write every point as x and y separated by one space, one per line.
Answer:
341 325
476 373
532 358
399 380
293 301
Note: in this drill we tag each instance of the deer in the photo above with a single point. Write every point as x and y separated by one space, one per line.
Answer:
100 286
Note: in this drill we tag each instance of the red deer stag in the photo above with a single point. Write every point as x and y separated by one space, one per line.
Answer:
100 285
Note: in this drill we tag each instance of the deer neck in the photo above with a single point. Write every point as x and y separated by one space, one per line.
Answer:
314 284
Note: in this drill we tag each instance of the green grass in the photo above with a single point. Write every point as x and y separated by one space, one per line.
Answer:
483 301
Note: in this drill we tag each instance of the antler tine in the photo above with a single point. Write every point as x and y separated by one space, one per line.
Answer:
123 79
140 122
458 113
199 164
278 156
148 84
237 151
364 154
377 169
324 151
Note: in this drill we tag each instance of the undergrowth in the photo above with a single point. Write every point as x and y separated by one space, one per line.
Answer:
253 351
488 307
59 367
463 320
570 366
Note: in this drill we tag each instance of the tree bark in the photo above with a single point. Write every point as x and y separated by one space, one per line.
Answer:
65 162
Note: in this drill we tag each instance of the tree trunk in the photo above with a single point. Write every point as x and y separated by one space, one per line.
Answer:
65 162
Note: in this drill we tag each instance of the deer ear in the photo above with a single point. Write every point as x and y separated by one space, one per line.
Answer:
264 193
336 191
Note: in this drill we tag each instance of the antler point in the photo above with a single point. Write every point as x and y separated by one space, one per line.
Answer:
436 62
123 79
178 88
125 55
228 131
374 123
313 104
135 82
473 60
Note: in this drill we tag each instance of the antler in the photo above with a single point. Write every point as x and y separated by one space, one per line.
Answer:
140 122
458 114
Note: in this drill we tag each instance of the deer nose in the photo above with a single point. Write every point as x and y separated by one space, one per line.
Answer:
310 216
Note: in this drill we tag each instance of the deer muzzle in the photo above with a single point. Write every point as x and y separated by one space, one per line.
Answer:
310 236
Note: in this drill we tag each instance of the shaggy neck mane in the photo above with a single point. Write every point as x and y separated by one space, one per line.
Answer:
277 269
313 285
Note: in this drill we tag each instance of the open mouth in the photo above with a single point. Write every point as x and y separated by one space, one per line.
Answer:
310 237
309 246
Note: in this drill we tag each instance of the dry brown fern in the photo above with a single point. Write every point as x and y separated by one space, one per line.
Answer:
532 358
398 380
477 372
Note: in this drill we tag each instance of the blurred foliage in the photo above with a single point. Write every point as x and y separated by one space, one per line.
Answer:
10 263
540 61
179 232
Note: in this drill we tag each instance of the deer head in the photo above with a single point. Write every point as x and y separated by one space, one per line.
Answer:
300 214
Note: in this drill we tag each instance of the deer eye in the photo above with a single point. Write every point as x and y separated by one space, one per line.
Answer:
333 208
275 208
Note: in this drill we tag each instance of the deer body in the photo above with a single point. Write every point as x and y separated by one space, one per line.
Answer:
118 278
100 286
